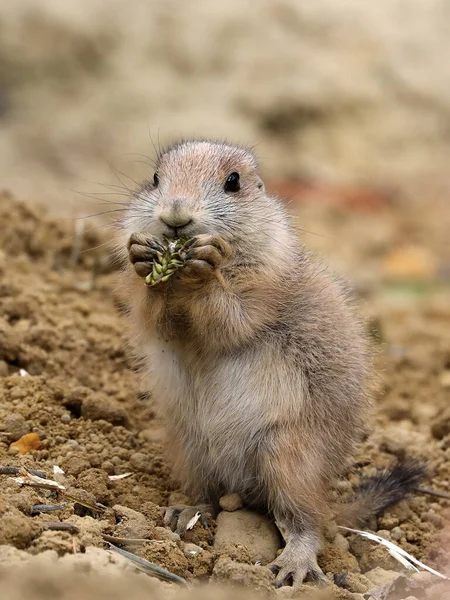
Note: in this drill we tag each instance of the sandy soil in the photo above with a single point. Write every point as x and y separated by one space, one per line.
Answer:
67 378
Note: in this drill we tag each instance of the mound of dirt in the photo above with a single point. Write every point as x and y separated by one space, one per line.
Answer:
68 378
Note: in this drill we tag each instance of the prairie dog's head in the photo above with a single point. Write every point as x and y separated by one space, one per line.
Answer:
207 187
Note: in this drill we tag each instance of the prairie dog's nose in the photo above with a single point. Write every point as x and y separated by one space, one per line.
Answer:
175 220
175 215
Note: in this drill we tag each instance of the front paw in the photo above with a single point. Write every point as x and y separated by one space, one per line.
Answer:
142 251
203 255
182 518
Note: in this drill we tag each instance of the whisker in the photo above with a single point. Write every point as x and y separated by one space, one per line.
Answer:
149 159
103 194
142 162
108 242
153 143
93 196
159 142
108 185
99 214
116 173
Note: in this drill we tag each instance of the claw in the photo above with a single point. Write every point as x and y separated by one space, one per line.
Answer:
297 562
284 577
274 568
317 575
189 243
170 515
186 520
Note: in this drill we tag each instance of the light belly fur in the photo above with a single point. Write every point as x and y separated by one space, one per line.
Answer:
217 411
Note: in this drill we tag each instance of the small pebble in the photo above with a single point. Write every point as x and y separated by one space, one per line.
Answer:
162 533
231 502
72 444
397 534
191 550
384 533
65 418
16 426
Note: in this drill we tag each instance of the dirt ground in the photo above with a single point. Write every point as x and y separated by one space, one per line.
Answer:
67 377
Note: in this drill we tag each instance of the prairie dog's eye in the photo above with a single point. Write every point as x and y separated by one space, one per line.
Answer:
232 183
155 179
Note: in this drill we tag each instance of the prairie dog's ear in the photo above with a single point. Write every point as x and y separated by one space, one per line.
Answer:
260 184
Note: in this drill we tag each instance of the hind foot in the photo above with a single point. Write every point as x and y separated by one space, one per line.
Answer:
182 518
298 561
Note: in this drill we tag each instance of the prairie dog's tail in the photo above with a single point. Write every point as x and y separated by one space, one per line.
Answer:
380 491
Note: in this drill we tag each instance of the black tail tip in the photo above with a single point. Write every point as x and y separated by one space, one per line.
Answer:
393 484
407 474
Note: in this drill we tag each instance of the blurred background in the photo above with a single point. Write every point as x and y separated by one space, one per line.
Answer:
341 91
346 102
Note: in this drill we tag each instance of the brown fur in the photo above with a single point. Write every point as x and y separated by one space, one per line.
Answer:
261 381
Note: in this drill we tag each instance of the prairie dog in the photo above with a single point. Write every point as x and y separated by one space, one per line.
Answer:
260 381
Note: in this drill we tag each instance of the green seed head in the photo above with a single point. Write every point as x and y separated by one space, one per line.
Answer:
166 263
